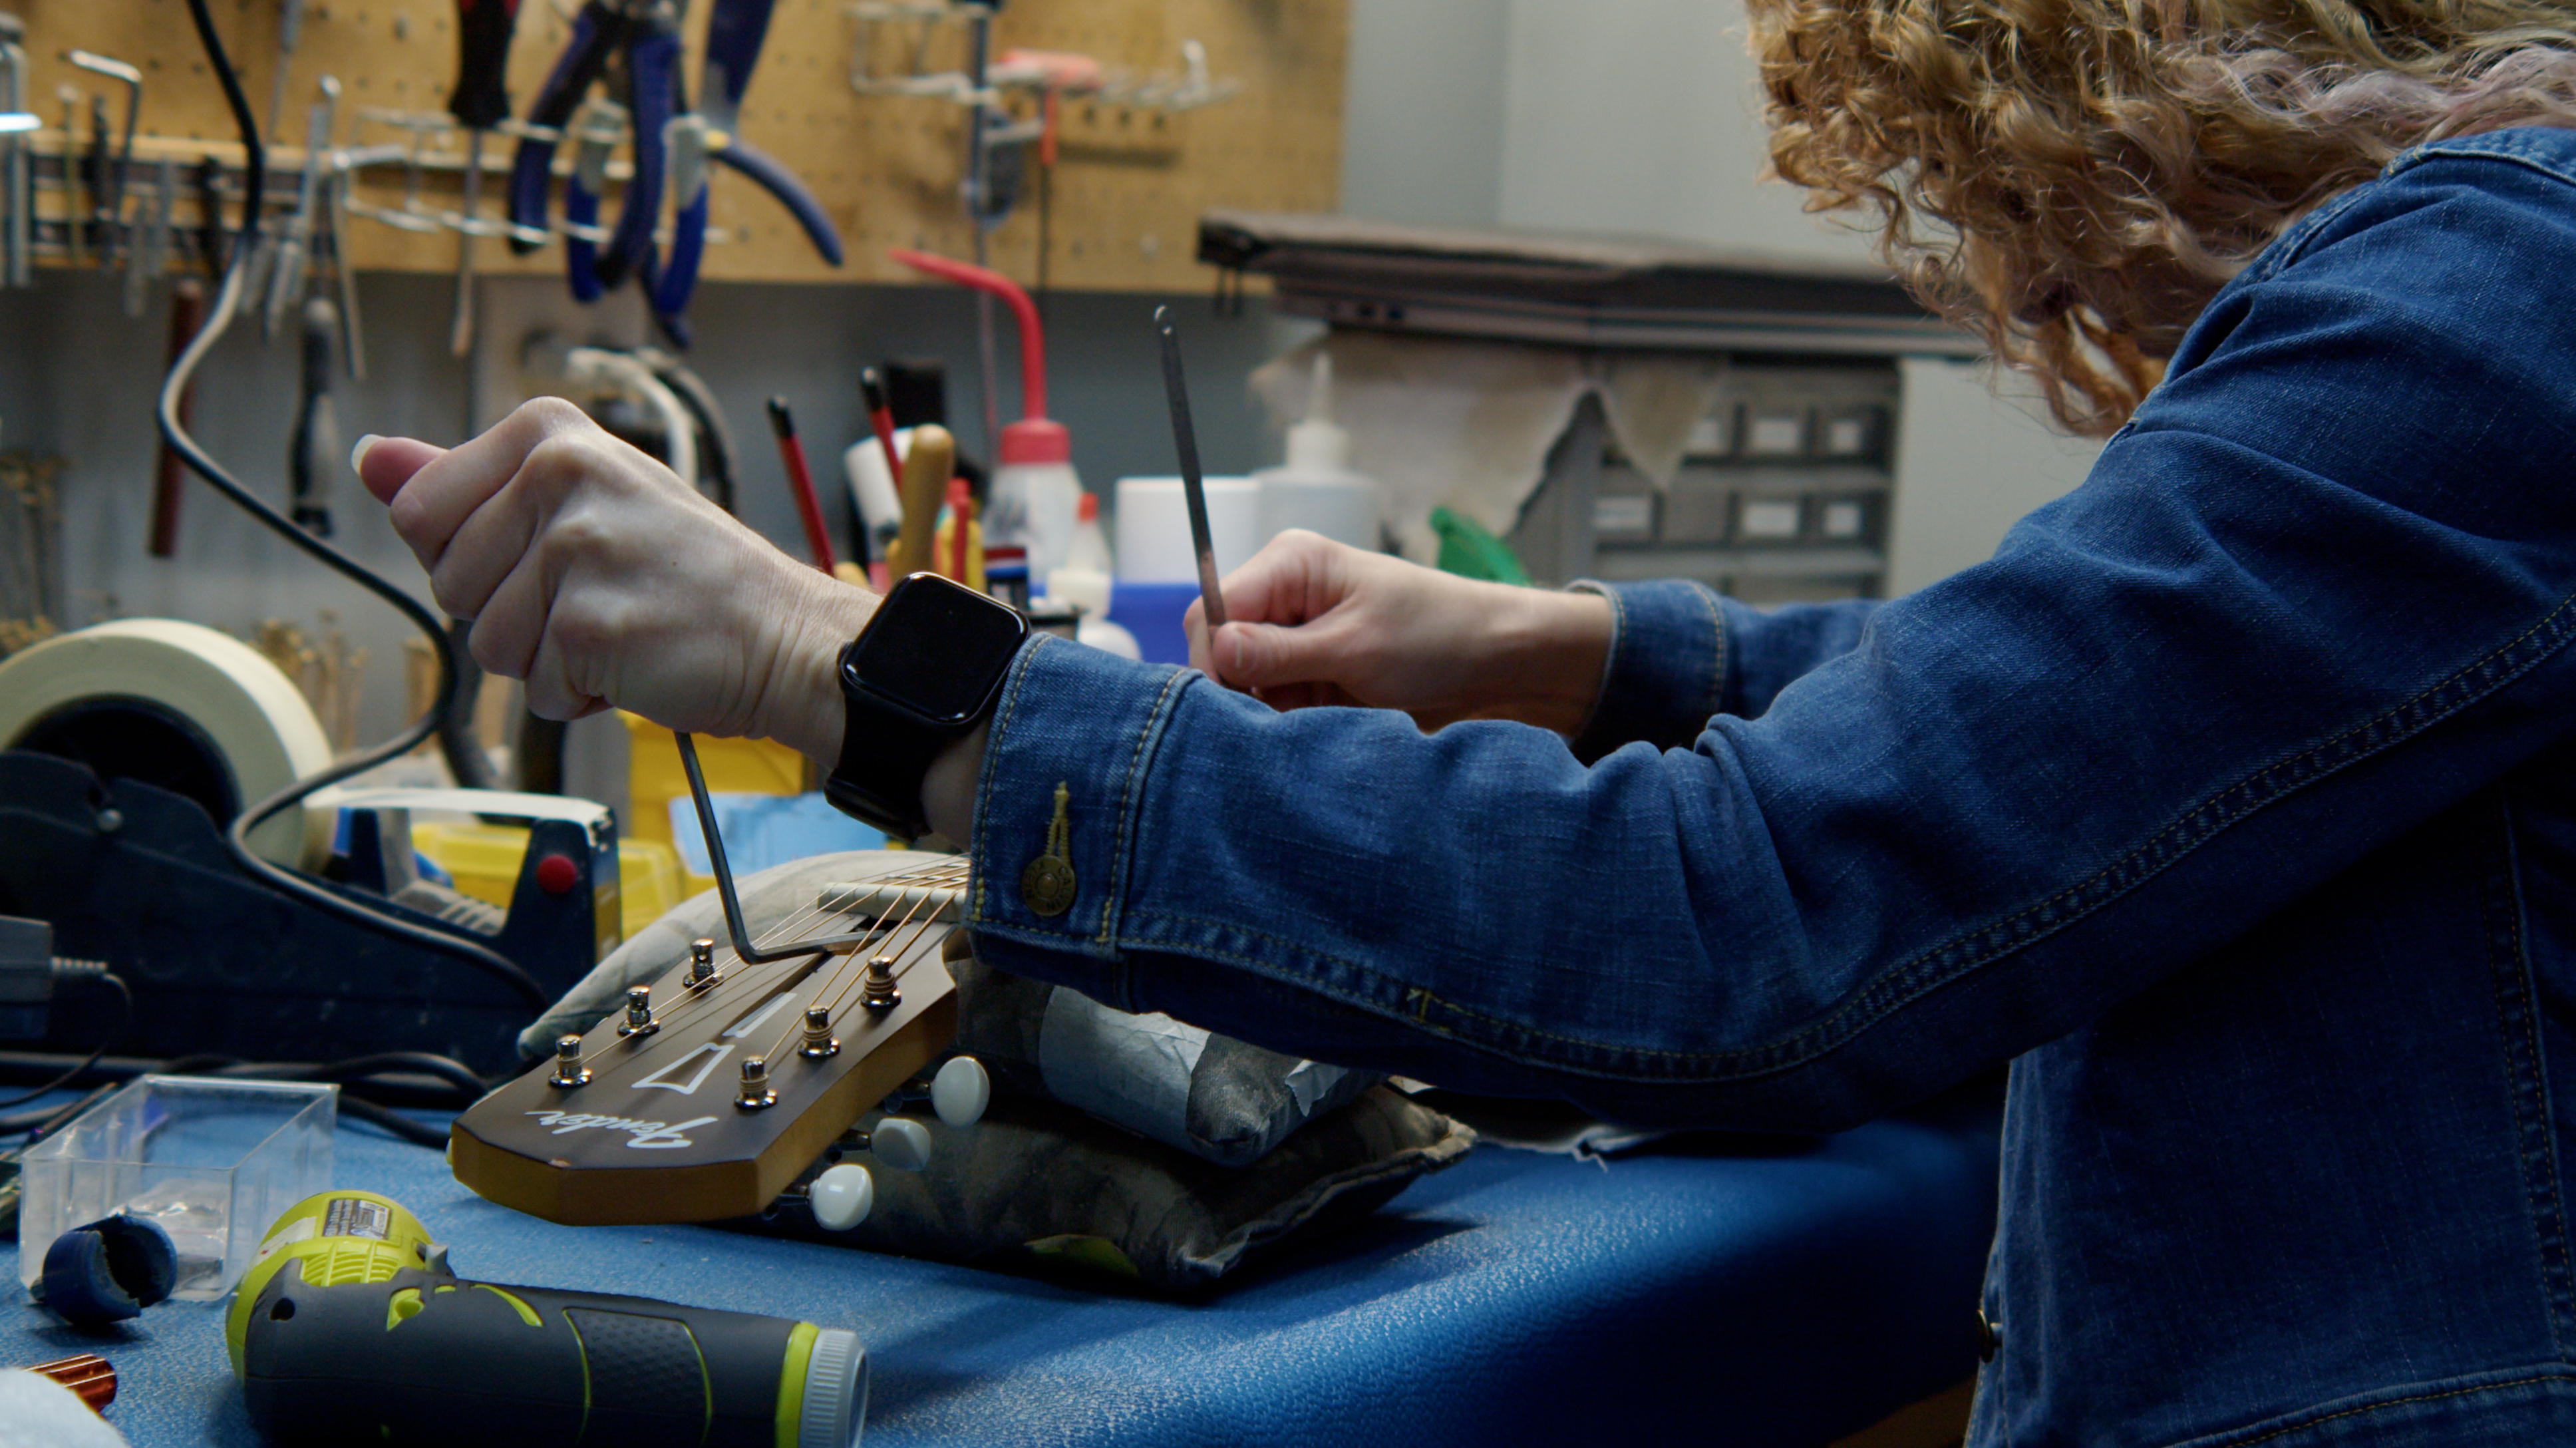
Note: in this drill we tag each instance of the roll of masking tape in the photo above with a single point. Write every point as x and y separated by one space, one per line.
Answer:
178 705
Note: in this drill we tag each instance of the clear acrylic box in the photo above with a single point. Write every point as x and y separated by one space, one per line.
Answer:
213 1161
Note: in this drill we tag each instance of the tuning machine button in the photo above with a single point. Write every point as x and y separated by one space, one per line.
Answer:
755 1094
841 1197
820 1045
901 1143
639 1012
569 1071
961 1091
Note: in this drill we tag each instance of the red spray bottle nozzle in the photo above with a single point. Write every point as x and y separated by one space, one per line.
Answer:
1035 438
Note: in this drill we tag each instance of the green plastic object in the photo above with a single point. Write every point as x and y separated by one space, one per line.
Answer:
1470 550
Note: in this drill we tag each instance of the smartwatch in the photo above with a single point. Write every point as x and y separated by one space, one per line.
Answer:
926 668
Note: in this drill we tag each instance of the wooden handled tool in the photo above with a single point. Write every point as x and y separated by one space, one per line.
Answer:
926 469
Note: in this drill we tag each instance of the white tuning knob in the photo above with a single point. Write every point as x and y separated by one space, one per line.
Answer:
901 1144
842 1196
961 1091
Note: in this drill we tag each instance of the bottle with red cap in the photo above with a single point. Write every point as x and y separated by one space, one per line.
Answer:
1031 501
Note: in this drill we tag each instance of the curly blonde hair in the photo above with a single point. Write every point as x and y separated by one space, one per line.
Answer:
2074 179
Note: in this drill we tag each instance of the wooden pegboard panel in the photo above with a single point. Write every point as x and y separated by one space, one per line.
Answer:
1127 192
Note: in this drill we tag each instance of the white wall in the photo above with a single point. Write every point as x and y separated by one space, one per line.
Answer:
1643 116
1423 122
1968 463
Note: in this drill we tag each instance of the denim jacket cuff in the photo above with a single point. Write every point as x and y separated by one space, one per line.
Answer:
1064 773
1666 675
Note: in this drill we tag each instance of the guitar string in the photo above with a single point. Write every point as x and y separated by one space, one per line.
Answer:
958 878
929 880
857 957
695 1003
699 1003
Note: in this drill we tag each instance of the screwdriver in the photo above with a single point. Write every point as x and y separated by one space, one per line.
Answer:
479 103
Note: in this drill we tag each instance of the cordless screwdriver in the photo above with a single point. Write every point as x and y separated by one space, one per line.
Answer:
349 1328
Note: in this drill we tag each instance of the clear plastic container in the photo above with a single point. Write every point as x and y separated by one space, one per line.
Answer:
213 1161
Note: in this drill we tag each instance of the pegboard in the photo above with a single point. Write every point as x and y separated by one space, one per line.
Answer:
1127 191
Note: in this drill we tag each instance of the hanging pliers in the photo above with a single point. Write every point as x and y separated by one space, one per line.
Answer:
734 36
635 46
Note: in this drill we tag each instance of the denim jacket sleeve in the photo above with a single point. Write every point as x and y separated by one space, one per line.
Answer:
1681 653
2317 590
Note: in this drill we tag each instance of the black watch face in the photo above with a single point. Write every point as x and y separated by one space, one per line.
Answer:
937 648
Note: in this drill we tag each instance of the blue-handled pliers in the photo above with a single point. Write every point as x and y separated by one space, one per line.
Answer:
634 46
734 35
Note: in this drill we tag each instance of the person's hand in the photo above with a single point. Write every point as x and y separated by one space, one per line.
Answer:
593 573
1311 621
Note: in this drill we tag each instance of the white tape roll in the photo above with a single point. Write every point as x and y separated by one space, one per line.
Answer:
251 714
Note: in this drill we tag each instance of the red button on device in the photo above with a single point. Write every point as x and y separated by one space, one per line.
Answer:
557 873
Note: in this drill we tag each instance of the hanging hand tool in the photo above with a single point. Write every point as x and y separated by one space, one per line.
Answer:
642 39
652 98
480 101
107 180
212 245
94 168
734 35
597 129
150 258
17 188
290 23
187 313
295 249
316 453
344 276
598 33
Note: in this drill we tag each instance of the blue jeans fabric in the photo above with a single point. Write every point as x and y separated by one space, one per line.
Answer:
2233 802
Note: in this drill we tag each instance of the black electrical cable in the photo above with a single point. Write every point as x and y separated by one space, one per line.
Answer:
418 1133
715 440
175 386
351 1075
124 1018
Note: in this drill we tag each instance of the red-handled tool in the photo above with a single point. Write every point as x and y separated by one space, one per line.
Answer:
800 479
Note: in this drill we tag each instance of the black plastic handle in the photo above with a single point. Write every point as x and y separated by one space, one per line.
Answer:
483 28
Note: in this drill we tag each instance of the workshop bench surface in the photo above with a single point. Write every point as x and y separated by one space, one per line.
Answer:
1723 1289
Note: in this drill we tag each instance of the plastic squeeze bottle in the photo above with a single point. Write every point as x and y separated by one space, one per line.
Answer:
1316 489
1030 502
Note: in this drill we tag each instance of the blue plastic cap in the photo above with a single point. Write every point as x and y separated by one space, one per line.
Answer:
110 1270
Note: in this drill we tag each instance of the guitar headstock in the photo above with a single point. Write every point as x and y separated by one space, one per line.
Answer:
724 1078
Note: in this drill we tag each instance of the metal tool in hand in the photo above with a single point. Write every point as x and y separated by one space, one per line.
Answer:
1193 487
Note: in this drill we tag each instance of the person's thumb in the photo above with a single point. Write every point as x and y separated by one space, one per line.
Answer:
384 464
1259 655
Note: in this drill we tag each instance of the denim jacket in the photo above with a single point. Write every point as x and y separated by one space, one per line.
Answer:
2233 802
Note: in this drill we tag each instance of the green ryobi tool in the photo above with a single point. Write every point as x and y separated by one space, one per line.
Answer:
349 1328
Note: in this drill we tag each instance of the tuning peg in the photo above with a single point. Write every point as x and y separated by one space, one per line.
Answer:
900 1143
841 1197
961 1091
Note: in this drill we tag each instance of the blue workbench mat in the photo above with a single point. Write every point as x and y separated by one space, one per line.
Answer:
1710 1289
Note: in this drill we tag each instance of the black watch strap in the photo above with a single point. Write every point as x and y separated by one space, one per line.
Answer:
884 755
924 671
